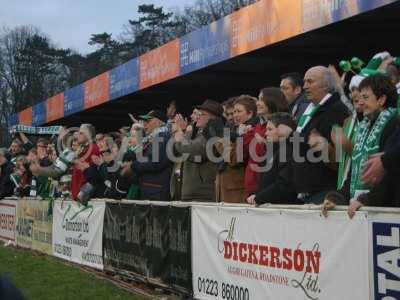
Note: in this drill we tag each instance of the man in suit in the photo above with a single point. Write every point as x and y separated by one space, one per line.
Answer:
313 165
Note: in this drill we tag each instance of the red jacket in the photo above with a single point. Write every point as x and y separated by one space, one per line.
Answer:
78 178
252 177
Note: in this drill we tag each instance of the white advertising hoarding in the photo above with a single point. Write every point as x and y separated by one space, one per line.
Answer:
78 232
276 254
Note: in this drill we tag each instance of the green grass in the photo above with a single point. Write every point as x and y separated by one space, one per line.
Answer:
44 277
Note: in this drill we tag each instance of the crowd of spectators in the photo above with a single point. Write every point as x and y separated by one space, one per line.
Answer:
315 139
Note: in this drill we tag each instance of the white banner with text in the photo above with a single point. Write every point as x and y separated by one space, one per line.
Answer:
258 253
78 232
8 215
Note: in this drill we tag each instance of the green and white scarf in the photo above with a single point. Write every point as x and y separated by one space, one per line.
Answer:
50 130
345 160
307 116
367 141
310 111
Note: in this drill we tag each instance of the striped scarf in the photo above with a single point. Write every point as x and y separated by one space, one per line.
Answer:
345 160
49 130
367 141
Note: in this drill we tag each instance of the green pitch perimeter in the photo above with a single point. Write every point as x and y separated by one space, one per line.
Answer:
43 277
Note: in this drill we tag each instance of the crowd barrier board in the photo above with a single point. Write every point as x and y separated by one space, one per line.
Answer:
222 251
78 232
384 254
241 252
34 225
258 253
152 241
8 216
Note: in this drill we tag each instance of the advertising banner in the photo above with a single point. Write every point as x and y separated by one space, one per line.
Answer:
263 23
25 117
318 13
73 100
55 107
42 226
366 5
39 114
78 232
160 64
124 79
24 223
97 90
206 46
151 241
385 258
276 254
8 215
13 120
34 225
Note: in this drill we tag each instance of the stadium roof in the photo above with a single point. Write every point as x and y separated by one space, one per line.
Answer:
239 54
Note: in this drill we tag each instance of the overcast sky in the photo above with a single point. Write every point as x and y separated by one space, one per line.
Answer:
69 23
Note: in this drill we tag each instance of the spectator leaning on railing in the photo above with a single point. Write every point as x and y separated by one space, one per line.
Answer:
385 165
272 188
374 134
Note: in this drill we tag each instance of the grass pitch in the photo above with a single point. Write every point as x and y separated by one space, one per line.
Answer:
44 277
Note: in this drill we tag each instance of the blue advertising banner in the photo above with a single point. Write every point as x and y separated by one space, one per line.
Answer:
366 5
39 114
73 100
386 258
317 13
206 46
345 9
13 120
124 79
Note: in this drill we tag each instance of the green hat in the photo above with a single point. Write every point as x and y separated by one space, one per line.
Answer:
374 64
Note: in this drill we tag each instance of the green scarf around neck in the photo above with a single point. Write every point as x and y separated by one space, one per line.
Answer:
367 141
345 159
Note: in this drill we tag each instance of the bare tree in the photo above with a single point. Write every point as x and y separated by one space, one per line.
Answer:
12 42
203 12
31 70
